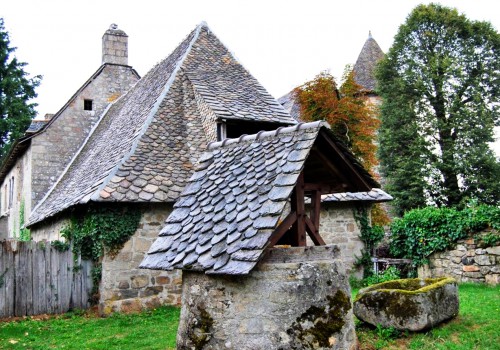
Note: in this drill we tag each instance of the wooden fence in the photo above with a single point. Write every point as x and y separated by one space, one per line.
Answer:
36 278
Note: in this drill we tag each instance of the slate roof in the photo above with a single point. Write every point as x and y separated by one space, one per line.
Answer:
291 105
376 194
36 125
144 146
234 201
364 68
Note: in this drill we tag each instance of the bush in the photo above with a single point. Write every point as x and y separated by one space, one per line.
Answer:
390 274
422 232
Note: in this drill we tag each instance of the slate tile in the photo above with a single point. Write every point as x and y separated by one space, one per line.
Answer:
280 193
247 255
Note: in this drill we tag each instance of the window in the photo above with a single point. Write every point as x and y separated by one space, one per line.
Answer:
87 105
11 191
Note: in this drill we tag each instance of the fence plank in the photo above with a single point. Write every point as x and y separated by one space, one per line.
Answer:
35 278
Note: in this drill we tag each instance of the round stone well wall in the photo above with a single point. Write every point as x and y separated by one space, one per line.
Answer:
295 298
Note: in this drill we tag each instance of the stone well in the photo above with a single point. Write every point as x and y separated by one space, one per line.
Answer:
296 298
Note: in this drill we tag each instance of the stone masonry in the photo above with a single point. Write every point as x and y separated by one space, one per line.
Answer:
338 226
55 147
469 261
126 288
296 298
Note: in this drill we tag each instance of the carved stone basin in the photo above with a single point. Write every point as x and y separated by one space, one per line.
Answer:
408 304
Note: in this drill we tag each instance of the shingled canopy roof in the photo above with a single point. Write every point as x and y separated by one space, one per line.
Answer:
364 68
144 146
233 205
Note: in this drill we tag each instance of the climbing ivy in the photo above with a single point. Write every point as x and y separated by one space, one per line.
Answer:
421 232
24 233
370 236
100 230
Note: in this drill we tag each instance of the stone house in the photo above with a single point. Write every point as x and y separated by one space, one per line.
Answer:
38 159
142 149
141 152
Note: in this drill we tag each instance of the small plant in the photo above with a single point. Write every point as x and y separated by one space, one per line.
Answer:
390 274
488 240
24 233
387 333
60 246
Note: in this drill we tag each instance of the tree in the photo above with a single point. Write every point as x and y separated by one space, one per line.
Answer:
440 85
16 89
351 118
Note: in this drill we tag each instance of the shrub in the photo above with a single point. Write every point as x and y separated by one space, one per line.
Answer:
422 232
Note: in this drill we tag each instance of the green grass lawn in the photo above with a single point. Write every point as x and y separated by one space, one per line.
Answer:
148 330
476 327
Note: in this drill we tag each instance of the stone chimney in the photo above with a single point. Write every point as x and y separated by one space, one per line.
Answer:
115 46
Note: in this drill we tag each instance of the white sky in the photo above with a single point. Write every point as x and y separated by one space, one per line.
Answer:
282 43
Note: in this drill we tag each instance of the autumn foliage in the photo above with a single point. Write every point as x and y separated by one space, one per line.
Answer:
351 117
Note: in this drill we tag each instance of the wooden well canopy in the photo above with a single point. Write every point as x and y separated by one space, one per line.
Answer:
328 169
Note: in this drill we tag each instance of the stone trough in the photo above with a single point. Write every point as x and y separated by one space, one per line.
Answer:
408 304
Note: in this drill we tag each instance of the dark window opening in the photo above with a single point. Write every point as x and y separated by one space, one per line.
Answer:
238 128
87 105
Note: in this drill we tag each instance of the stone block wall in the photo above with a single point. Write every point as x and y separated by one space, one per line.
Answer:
338 226
125 287
467 262
55 147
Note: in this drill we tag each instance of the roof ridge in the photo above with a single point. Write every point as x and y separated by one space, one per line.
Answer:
151 115
261 134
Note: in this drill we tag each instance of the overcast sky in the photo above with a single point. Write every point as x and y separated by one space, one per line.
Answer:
282 43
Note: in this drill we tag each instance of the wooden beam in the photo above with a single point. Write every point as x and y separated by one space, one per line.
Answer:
301 211
346 162
314 233
282 228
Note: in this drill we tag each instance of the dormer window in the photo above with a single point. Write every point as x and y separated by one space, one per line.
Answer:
87 105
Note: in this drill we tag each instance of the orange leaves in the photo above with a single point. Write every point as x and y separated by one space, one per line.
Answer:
348 111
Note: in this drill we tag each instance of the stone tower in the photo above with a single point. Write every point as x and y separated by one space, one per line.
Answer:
115 46
364 68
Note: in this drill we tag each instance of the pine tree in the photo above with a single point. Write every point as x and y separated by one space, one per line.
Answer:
16 89
441 99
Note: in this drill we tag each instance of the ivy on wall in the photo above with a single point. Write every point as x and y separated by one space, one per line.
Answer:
24 233
370 236
421 232
100 230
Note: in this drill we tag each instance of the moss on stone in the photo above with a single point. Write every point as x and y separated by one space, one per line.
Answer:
199 330
409 286
326 321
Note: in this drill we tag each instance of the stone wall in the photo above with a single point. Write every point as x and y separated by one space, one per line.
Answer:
19 177
55 147
296 298
124 286
338 226
467 262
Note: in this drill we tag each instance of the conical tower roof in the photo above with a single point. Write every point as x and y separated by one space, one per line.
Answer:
364 68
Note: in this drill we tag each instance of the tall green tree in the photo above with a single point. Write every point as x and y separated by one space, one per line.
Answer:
16 90
440 85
